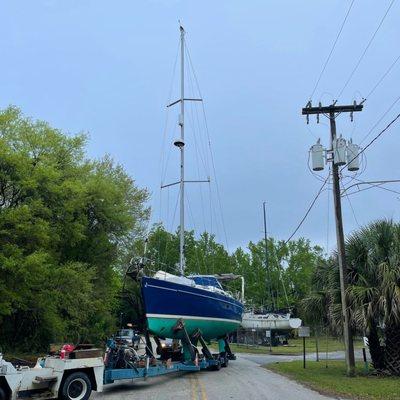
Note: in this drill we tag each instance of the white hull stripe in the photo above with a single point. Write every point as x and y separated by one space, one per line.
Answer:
170 316
194 294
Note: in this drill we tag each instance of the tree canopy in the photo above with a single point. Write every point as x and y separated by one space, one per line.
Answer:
373 291
63 221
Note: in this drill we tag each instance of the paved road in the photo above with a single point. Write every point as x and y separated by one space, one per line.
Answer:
243 379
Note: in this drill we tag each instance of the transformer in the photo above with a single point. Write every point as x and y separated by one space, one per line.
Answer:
353 158
339 151
317 156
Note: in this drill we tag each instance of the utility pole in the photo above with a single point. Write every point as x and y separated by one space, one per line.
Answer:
332 112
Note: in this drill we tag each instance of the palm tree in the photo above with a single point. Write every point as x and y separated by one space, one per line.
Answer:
373 291
373 255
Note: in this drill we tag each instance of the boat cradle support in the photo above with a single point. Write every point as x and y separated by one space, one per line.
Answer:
225 348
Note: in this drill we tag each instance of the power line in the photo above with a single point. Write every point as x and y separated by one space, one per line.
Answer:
380 119
382 78
373 140
332 49
351 207
366 49
372 184
309 209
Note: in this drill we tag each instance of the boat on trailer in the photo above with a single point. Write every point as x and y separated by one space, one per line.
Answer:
198 300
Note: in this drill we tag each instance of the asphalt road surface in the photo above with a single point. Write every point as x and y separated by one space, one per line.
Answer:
244 378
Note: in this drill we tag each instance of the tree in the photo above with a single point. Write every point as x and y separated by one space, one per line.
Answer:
373 260
64 220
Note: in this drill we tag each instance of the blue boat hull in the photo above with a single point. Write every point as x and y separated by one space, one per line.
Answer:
166 302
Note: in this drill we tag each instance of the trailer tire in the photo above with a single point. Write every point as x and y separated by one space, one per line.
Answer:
76 386
2 394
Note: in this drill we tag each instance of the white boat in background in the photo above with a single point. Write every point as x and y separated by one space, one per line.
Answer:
270 321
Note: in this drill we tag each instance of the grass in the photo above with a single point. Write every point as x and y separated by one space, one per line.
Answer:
295 347
333 380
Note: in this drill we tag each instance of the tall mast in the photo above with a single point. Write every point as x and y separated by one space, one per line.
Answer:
182 148
180 143
266 257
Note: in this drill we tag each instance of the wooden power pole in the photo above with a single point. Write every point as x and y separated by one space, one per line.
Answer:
332 112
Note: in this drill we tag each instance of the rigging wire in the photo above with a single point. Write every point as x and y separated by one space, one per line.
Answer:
280 277
198 155
163 162
210 150
196 249
332 49
309 209
365 50
162 262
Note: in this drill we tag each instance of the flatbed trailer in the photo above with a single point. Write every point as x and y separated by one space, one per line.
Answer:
75 379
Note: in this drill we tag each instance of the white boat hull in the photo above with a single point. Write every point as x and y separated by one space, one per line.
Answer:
270 321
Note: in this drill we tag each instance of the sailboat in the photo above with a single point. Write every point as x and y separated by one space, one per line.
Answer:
199 301
269 321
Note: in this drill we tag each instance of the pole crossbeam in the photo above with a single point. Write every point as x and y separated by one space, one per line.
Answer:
331 109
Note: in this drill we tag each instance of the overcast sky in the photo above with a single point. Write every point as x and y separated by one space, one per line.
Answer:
105 68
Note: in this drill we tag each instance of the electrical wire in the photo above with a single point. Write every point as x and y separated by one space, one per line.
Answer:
309 209
373 184
373 140
332 49
379 120
351 206
382 78
366 49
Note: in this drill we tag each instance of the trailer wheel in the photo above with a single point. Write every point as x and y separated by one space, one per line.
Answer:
2 394
226 362
76 386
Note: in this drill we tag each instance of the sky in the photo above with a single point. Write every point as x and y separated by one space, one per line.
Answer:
105 68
